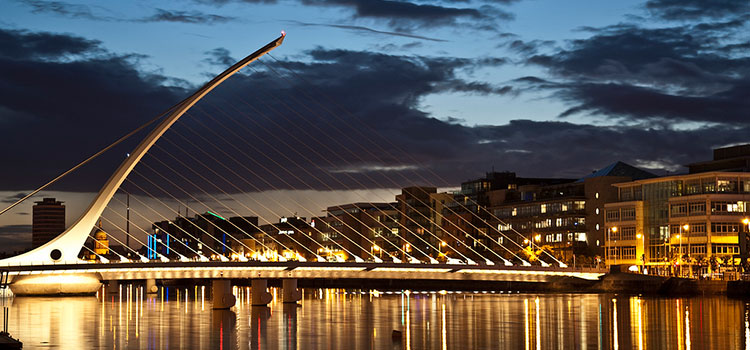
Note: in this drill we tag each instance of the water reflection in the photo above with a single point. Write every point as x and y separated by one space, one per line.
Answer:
342 319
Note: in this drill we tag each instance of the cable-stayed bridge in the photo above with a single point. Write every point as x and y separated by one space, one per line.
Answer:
410 239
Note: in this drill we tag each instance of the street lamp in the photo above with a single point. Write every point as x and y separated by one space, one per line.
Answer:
684 227
612 230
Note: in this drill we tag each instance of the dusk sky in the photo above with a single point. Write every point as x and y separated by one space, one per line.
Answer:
541 87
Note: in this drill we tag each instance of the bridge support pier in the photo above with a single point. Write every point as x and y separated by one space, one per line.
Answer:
291 293
221 294
151 287
260 294
113 287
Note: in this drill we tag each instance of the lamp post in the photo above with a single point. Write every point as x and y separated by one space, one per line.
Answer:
639 237
614 230
685 227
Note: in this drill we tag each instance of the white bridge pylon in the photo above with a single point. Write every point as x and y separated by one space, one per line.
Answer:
65 247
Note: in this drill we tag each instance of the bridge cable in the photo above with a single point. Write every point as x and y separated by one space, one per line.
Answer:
241 164
283 155
141 257
396 147
366 150
223 258
245 180
116 253
305 182
144 231
221 202
381 148
90 158
291 173
179 216
197 200
329 150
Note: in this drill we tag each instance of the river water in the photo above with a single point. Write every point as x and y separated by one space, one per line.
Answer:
182 318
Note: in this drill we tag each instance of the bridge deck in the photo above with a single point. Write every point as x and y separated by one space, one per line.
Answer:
308 270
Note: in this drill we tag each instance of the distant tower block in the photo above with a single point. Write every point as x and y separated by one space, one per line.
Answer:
48 221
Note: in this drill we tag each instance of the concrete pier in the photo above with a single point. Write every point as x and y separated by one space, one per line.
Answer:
260 294
113 287
151 287
291 293
221 294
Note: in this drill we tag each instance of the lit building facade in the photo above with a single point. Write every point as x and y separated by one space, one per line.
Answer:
567 217
363 229
687 225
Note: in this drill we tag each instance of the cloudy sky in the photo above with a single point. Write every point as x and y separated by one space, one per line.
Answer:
367 93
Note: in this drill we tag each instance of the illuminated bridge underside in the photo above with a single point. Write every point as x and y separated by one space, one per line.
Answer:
212 270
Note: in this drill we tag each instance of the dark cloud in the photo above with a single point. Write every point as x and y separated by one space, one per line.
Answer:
219 57
224 2
23 45
63 97
696 9
13 198
339 119
61 9
405 15
695 72
193 17
369 30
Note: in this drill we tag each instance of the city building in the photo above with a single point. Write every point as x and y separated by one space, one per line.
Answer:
733 158
48 221
208 234
470 225
566 218
415 214
366 230
292 238
690 225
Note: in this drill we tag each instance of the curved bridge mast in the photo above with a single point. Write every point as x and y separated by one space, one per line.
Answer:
66 246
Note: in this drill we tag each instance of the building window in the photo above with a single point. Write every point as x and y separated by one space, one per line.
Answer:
698 249
722 249
626 194
628 214
729 207
698 229
724 228
613 215
678 210
709 185
596 195
579 205
543 208
697 208
628 253
726 185
693 186
628 233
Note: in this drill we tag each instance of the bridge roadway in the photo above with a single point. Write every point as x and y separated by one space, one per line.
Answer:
309 270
